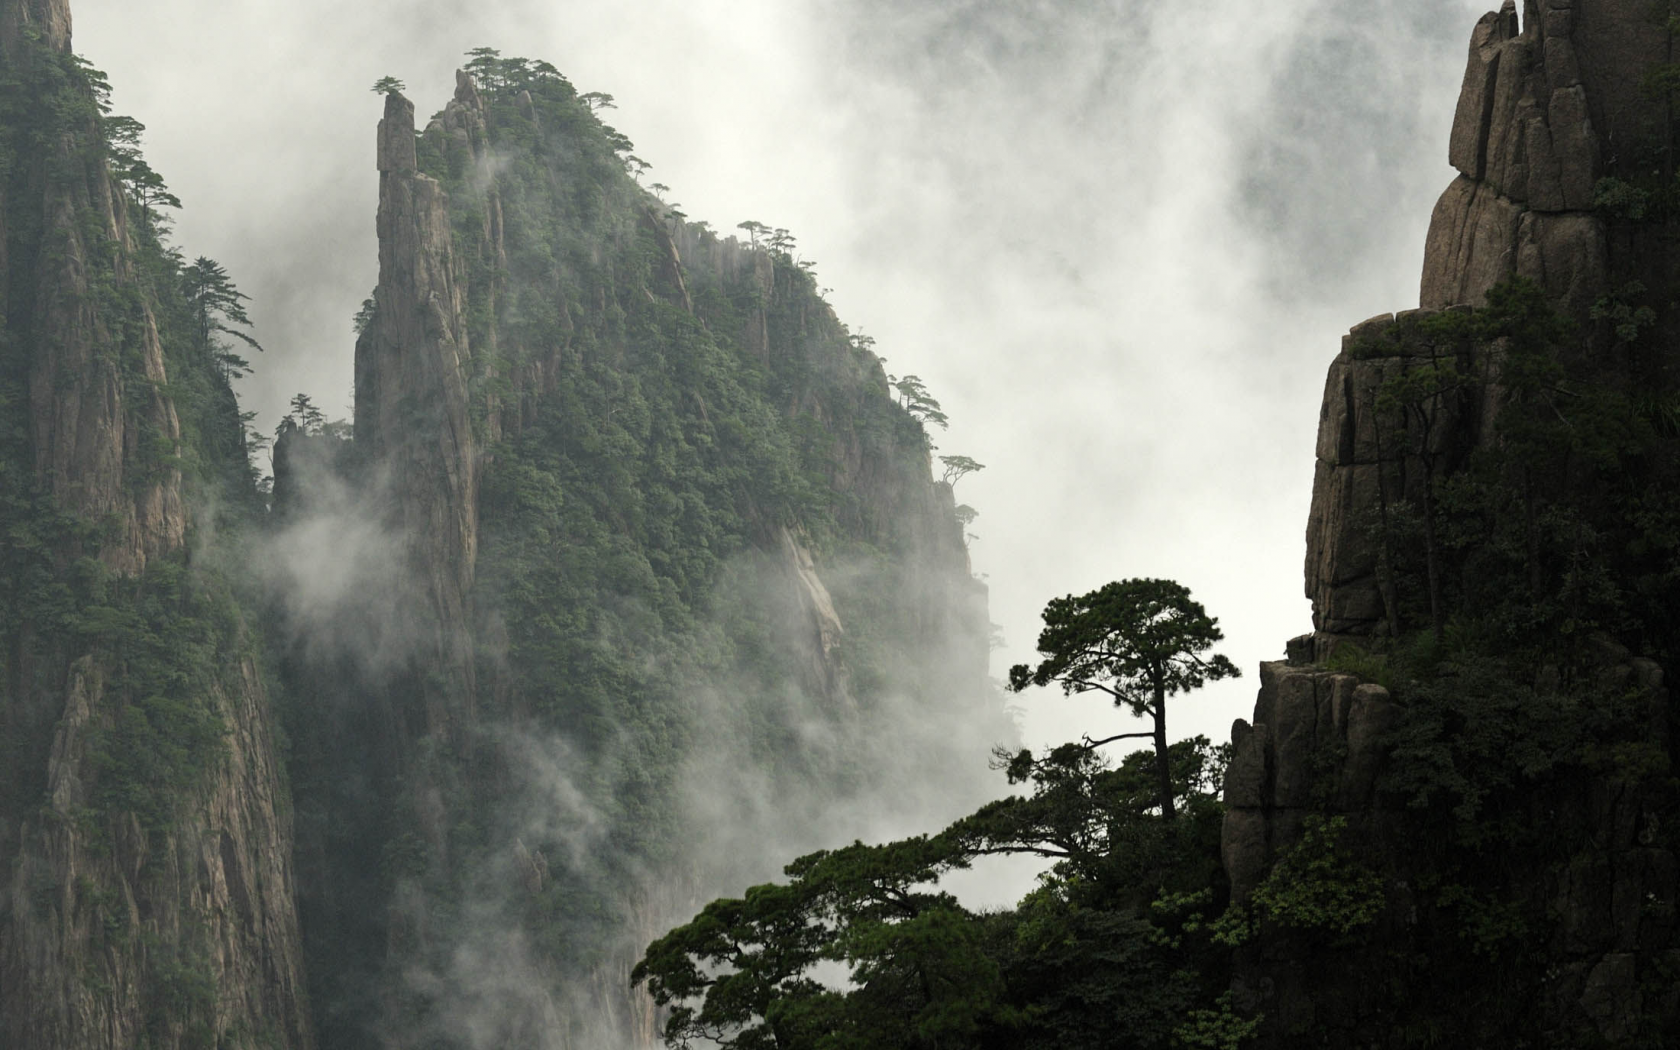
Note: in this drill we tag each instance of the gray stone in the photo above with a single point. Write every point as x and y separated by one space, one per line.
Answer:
1562 69
1372 713
1466 149
1611 997
395 150
1470 245
1243 850
1246 776
1295 735
1575 146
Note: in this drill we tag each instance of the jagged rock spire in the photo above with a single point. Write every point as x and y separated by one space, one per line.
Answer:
1544 113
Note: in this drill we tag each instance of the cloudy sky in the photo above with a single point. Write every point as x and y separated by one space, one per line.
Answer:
1119 239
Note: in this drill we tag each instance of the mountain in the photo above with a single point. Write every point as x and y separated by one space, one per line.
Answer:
1490 559
629 579
146 842
660 585
630 583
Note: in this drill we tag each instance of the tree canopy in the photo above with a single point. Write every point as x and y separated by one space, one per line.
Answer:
1140 641
1085 961
218 308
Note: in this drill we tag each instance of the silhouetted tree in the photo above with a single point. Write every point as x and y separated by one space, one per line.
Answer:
1140 641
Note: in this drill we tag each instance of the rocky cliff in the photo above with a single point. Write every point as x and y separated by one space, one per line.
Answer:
1554 123
1461 498
660 564
145 839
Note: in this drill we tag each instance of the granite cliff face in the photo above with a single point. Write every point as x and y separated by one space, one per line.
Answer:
1553 120
115 931
653 521
1543 116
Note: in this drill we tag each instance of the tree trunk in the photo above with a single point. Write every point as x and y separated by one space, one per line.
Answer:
1163 769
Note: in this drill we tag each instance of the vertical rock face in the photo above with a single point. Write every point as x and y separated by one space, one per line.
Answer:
588 427
48 19
88 424
1317 746
1548 109
114 932
412 366
1543 115
1272 783
1374 463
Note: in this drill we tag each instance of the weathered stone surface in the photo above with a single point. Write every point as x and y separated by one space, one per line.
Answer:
1315 743
1566 254
1467 148
826 673
1371 715
1246 778
394 149
1469 248
1374 462
48 18
1244 849
1531 132
217 884
412 363
1543 115
1573 143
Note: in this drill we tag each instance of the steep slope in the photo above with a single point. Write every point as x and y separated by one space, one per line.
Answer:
1452 814
660 588
145 843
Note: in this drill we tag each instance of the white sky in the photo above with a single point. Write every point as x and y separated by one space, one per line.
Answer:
1119 239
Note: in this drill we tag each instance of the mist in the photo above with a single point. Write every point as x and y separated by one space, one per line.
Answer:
1119 241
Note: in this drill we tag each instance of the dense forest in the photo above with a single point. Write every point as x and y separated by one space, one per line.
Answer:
489 716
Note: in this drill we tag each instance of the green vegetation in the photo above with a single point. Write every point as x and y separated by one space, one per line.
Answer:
1138 641
164 641
668 423
1318 885
98 304
1112 950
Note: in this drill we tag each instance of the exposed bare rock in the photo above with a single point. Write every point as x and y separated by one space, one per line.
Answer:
412 366
1316 743
827 674
1373 465
49 18
1542 116
99 915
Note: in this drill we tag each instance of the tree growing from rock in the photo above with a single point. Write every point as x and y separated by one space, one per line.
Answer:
1140 641
218 308
913 396
958 467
